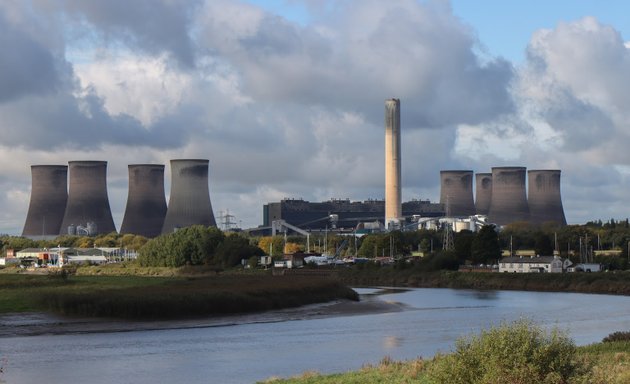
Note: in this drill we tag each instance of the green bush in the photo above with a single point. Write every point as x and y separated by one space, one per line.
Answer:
520 352
617 336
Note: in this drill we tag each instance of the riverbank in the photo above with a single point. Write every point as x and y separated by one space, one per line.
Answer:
612 283
156 298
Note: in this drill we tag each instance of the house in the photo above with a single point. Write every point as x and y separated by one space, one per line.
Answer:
290 261
536 264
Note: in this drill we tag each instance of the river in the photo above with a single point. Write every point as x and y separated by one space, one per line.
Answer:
402 324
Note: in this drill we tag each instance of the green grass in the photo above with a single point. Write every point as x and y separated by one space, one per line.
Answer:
163 297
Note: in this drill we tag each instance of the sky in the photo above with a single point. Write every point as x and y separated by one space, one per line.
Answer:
286 97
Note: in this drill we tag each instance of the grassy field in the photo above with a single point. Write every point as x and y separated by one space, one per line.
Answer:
162 297
601 363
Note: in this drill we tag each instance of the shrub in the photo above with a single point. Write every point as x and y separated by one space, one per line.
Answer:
617 336
520 352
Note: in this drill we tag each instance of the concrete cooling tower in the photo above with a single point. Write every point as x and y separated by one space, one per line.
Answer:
49 194
146 202
189 202
456 193
483 190
509 199
87 211
393 204
545 201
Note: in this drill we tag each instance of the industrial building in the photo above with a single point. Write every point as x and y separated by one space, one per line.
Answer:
146 201
483 192
346 213
87 211
49 195
189 202
509 197
544 198
456 193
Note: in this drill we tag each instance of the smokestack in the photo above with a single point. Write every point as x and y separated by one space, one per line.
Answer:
483 190
393 205
509 200
189 203
456 193
545 200
146 202
49 195
88 204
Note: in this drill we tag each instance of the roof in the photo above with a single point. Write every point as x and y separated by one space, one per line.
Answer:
528 260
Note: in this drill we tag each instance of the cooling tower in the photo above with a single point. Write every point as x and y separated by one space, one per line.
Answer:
146 202
456 193
393 205
483 191
545 201
88 205
509 200
189 202
49 194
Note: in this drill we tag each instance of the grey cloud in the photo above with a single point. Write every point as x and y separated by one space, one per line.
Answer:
152 26
26 66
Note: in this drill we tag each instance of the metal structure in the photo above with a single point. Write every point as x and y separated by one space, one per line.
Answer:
393 206
189 202
283 226
146 202
49 195
87 198
544 198
456 192
483 192
509 199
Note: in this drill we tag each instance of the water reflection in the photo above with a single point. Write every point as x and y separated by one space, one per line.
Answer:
481 295
391 342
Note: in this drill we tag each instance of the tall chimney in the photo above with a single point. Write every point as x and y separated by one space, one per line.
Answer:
49 195
146 202
189 203
88 204
393 205
456 193
544 198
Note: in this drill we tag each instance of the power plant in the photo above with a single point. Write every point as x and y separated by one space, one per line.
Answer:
146 201
483 191
189 202
456 193
509 198
87 210
49 195
393 207
545 201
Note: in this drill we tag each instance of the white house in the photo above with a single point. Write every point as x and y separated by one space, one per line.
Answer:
537 264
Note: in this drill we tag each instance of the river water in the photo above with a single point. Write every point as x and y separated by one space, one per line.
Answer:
402 324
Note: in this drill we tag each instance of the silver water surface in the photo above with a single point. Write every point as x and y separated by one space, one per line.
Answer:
431 320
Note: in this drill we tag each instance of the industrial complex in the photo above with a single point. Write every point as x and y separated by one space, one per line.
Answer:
81 206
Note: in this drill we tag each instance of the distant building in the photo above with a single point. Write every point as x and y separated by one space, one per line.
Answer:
341 213
537 264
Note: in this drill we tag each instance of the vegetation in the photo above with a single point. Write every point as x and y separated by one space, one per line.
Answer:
520 352
159 297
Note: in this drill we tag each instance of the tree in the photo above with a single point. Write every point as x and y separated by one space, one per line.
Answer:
485 247
463 245
233 249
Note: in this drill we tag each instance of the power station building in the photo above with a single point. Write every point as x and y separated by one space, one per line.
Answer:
87 211
49 195
189 202
348 214
483 192
146 201
456 193
509 197
545 201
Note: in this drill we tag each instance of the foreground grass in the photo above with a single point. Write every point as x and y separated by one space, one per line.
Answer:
601 363
163 297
